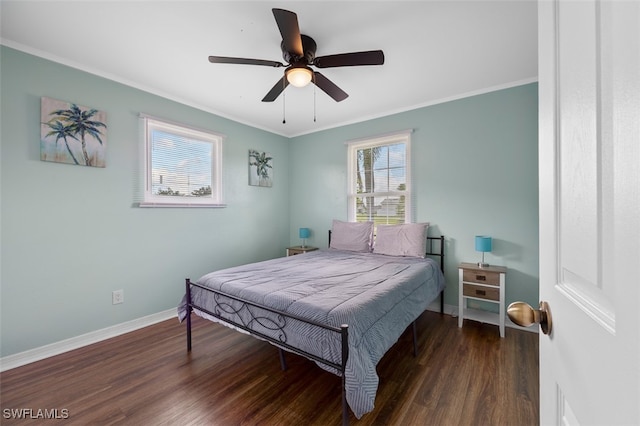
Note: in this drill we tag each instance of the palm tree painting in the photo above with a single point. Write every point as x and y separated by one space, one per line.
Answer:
260 168
72 134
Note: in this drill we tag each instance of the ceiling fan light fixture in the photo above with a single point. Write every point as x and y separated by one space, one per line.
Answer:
299 76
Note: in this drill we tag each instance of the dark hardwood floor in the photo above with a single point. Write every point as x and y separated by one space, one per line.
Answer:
465 376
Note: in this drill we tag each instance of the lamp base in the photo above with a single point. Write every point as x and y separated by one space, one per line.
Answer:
481 264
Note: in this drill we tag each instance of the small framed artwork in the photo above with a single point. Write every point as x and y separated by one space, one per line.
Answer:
72 134
260 168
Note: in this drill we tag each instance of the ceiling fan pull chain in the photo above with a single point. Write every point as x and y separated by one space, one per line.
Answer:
314 98
283 103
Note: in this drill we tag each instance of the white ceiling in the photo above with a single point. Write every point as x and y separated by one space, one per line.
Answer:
434 51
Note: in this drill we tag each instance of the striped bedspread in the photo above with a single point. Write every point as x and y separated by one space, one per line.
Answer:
377 296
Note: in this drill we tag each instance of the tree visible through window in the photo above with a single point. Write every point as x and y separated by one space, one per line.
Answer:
183 165
379 180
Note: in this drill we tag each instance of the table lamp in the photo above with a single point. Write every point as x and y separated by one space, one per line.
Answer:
483 244
304 233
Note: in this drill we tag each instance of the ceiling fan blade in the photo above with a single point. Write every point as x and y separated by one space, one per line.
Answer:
288 25
371 57
276 90
329 87
243 61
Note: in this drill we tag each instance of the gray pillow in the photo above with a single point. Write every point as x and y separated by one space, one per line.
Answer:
352 236
409 239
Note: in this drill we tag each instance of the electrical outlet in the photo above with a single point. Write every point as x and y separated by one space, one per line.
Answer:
117 297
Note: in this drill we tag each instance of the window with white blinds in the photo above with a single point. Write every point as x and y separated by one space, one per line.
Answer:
380 179
183 166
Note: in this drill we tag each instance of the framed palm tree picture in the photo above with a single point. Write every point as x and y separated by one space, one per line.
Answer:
72 134
260 168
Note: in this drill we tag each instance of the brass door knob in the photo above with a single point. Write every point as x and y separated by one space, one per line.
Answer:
524 315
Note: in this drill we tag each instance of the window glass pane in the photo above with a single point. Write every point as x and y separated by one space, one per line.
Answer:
397 155
180 166
364 210
381 181
397 167
389 210
397 181
381 210
389 169
364 171
380 157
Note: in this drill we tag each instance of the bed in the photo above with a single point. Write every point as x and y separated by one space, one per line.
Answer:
342 307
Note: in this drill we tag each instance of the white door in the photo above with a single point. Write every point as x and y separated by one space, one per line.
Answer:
589 153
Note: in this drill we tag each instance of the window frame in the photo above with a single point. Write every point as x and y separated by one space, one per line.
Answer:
151 124
372 142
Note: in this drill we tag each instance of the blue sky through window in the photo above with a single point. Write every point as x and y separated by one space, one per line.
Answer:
179 163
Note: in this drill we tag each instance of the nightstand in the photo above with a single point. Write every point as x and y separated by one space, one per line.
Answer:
485 284
292 251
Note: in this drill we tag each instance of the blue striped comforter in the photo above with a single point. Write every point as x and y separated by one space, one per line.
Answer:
378 296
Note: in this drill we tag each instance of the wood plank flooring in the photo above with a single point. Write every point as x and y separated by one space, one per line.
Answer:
465 376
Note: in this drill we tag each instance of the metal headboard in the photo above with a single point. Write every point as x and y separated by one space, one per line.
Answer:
439 253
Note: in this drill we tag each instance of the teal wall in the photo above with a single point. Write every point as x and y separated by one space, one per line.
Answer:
475 171
70 235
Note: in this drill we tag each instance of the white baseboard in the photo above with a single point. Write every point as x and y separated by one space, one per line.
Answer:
448 309
42 352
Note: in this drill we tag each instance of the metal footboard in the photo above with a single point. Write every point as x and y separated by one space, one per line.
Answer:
250 320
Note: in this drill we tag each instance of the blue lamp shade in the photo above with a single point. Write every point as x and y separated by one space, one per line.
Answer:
483 243
304 232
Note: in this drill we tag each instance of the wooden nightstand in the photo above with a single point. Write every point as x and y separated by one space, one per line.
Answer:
486 284
292 251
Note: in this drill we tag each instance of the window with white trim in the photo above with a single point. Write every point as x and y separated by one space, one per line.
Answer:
183 166
380 179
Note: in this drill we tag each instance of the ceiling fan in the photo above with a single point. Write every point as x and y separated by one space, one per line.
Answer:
299 51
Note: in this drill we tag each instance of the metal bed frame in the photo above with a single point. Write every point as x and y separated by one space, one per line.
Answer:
251 319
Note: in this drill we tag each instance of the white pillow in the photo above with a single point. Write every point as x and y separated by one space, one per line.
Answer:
409 239
352 236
